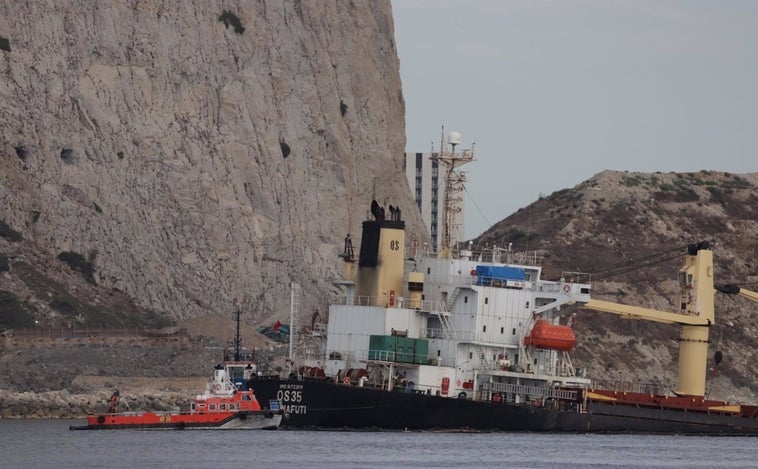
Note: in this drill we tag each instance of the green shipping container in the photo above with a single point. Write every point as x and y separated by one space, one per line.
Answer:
405 349
381 347
421 355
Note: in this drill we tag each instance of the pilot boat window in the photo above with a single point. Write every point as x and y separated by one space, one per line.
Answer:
245 397
222 406
193 406
212 407
232 406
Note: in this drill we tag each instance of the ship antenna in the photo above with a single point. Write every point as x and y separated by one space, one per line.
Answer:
454 186
237 339
294 307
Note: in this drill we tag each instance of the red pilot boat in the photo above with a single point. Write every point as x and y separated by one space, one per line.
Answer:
227 403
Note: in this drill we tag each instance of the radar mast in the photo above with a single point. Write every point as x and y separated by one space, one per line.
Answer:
455 182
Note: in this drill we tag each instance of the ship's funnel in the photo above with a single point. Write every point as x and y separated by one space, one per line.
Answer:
380 264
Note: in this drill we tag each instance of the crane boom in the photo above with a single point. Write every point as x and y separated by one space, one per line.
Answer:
695 317
737 290
635 312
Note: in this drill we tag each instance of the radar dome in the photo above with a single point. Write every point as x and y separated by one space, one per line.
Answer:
454 138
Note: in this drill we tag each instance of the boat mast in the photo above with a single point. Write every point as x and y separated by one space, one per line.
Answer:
454 186
237 339
294 303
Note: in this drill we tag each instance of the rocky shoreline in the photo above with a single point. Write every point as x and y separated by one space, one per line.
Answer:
63 404
72 382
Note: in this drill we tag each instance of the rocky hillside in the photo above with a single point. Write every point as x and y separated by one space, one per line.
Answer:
620 217
165 162
190 158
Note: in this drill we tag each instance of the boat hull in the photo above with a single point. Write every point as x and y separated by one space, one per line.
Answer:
244 420
323 404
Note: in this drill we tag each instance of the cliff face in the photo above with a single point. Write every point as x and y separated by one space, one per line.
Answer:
199 155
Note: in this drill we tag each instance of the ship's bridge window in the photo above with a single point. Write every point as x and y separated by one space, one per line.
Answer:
245 397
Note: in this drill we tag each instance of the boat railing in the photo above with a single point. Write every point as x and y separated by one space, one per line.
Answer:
533 392
576 277
628 386
435 333
453 280
503 255
462 336
393 356
380 301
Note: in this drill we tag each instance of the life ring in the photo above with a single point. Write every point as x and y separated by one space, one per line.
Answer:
566 288
346 381
473 272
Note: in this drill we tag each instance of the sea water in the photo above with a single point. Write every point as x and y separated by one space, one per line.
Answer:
50 444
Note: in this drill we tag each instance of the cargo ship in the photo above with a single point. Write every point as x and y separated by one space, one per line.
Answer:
469 343
480 341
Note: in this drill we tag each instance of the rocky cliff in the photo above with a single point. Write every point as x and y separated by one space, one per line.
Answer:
162 161
194 157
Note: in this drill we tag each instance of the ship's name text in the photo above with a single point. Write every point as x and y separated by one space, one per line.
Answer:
291 397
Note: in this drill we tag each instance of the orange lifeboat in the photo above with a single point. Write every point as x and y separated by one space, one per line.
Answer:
547 336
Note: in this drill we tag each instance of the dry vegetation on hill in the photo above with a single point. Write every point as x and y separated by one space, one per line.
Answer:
618 217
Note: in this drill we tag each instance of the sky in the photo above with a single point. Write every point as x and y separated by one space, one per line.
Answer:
553 92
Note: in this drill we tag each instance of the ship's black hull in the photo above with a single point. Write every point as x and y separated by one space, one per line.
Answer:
323 404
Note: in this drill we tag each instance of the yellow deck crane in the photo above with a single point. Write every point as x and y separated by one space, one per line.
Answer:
695 316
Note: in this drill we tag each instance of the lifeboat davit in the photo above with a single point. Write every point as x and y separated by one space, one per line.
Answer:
548 336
